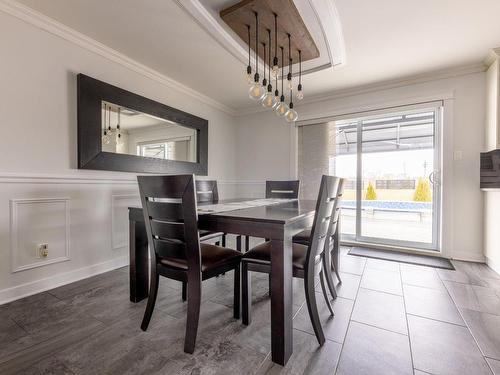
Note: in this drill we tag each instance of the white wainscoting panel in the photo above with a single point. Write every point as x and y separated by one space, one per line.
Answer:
39 221
119 218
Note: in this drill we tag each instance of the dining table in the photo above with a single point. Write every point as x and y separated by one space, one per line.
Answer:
276 220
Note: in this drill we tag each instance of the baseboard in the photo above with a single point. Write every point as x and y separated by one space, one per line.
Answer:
42 285
467 257
493 264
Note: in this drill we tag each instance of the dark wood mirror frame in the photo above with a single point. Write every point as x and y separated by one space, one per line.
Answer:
91 94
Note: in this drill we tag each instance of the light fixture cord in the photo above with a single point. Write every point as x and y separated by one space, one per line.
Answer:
289 55
264 47
249 62
300 67
269 58
282 73
275 36
256 43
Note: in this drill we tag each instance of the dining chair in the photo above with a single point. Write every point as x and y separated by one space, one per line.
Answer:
207 192
307 261
331 253
283 189
169 206
279 190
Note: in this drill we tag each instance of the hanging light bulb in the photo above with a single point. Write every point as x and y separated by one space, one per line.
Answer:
300 92
249 77
256 91
268 100
292 114
282 107
276 67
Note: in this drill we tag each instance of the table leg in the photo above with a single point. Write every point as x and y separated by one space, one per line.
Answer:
281 300
139 262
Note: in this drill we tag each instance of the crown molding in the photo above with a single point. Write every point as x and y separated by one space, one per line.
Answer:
54 27
493 55
383 85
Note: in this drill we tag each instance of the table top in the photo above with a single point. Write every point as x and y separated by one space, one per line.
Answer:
282 212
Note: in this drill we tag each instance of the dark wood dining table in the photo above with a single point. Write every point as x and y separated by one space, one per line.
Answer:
278 222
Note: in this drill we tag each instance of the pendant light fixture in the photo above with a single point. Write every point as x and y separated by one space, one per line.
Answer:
276 94
300 93
268 101
249 66
256 91
282 108
291 115
275 60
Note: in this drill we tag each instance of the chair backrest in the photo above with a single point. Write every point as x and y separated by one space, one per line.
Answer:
283 189
335 214
206 191
169 206
325 209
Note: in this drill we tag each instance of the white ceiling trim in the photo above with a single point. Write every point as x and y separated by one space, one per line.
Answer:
384 85
320 16
493 55
54 27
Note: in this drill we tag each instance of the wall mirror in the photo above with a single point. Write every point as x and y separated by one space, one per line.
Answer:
122 131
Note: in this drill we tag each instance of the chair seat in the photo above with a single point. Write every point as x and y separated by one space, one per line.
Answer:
212 257
302 237
206 235
262 254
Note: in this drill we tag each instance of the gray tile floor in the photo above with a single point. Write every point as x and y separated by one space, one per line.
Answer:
390 318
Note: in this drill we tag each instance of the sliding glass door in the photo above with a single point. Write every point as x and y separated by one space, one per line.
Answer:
391 165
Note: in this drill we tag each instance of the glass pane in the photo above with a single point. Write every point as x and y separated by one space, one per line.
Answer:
126 131
397 163
342 163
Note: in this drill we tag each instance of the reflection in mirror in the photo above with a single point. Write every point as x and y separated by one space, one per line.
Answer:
126 131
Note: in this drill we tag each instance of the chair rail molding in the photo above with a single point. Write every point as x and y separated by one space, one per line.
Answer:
15 205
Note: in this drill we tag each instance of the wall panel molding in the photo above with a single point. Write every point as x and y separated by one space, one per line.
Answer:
15 233
130 199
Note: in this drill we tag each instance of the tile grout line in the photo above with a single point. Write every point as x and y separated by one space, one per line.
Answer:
406 319
468 328
350 318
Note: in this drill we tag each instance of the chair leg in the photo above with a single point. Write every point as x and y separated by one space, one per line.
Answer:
193 312
237 293
153 292
312 307
184 291
325 294
247 243
224 240
246 295
329 277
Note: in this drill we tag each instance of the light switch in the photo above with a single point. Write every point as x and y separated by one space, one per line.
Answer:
458 155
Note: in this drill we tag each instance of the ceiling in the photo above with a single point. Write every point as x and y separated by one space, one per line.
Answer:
384 40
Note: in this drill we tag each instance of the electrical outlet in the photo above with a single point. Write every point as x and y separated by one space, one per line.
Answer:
42 250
